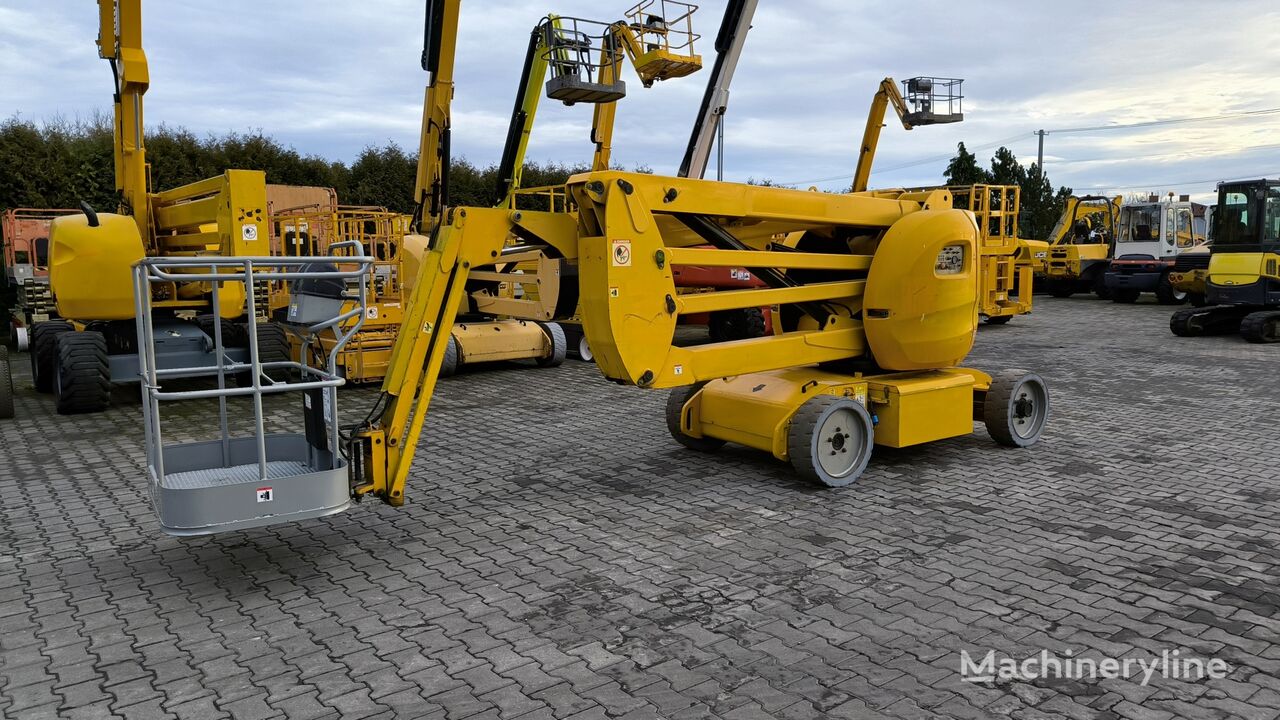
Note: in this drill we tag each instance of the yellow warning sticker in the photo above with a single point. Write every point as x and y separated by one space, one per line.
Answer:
613 292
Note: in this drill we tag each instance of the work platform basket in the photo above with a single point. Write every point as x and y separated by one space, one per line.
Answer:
237 482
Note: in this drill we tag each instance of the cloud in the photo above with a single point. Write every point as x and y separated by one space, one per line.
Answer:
331 78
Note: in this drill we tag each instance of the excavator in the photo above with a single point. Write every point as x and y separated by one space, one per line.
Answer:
93 344
885 293
1242 287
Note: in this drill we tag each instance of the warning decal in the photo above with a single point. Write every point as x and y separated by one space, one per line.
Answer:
265 494
622 253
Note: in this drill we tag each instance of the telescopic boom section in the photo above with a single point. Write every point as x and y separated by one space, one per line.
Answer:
715 100
431 189
887 95
120 43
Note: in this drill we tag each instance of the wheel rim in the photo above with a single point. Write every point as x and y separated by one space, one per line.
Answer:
1180 295
841 441
584 349
1027 409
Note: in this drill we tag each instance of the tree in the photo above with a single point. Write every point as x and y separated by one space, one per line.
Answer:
1006 170
963 169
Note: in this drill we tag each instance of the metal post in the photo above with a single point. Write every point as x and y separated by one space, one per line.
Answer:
1040 152
720 148
222 376
260 432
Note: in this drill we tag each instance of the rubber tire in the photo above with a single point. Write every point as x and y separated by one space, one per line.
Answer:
559 345
6 385
584 350
998 319
676 400
44 352
1253 327
1062 288
83 383
1166 294
233 335
998 408
803 439
449 366
1125 296
273 346
740 324
1098 285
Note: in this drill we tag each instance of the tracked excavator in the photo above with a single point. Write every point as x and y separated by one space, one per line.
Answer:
1242 289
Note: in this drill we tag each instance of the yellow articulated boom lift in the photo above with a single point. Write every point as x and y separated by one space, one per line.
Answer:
584 60
1243 279
1081 246
1005 266
93 345
885 292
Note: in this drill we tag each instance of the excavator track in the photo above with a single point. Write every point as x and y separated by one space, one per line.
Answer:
1211 320
1261 327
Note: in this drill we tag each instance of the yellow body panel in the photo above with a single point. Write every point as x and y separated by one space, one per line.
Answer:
500 340
1237 268
754 409
916 408
914 325
90 268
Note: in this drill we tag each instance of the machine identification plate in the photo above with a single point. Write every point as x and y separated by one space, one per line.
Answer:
622 253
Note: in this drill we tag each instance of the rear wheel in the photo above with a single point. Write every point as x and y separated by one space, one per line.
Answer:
676 401
1261 327
449 366
1167 294
737 324
1098 284
6 385
559 345
1125 296
82 382
44 352
830 440
1016 408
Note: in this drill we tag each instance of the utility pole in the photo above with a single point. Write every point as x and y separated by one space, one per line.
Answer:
1040 152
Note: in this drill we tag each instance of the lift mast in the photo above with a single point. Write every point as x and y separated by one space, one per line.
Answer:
715 100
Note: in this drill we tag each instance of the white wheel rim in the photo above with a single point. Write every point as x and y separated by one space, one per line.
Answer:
841 440
584 350
1027 410
23 339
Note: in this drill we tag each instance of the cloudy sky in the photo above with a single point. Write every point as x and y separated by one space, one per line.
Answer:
330 78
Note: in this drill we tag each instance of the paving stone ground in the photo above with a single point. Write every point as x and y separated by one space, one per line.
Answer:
560 556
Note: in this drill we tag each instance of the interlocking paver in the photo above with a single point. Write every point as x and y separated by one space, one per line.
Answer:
560 557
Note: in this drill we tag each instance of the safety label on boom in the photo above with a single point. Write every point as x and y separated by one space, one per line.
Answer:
622 253
265 494
950 260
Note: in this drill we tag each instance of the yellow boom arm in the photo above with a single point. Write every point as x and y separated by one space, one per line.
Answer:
887 95
120 43
431 187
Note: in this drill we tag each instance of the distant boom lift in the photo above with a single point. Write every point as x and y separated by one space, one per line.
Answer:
715 99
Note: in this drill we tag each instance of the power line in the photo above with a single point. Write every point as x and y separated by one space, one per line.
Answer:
1173 121
1162 184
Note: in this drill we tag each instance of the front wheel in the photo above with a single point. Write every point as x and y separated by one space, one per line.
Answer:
44 352
82 382
676 401
1016 408
830 440
6 385
559 345
1125 296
